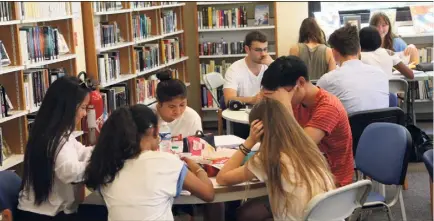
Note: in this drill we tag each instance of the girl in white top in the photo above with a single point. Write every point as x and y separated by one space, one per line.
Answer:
373 54
172 106
54 160
137 181
301 173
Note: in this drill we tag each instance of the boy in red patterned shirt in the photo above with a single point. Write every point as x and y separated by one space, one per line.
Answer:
320 113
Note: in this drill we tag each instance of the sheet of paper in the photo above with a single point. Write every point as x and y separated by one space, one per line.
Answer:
228 141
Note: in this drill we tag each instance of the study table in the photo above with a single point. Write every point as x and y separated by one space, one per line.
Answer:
240 116
412 90
222 193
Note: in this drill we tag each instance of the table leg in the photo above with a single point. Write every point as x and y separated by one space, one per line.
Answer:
411 97
229 127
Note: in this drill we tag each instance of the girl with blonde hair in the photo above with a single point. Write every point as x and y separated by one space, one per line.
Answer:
288 161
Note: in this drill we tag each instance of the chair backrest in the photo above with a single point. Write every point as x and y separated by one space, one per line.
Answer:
360 120
427 159
213 80
383 152
338 204
10 184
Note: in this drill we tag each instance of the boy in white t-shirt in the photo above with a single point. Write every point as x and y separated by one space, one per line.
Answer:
373 54
243 78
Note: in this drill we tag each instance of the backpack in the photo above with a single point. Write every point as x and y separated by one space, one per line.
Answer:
421 143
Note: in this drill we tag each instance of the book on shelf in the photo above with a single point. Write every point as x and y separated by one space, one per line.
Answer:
262 14
147 56
168 3
424 90
213 67
6 13
210 17
36 83
107 6
144 4
114 97
170 49
5 104
145 90
426 54
110 34
168 21
109 66
207 96
5 150
221 48
34 10
4 57
39 43
142 26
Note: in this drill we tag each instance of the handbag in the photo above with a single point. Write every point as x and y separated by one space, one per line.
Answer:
209 138
424 67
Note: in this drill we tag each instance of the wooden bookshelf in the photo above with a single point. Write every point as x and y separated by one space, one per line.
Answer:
14 127
229 33
124 19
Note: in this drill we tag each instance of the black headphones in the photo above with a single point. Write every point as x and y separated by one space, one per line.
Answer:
236 105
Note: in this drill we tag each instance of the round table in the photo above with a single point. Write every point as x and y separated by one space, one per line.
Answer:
222 194
240 116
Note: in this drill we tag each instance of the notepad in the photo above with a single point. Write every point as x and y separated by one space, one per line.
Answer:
228 141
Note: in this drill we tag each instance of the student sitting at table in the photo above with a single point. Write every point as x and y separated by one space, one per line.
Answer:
172 107
311 49
303 171
54 161
359 86
136 180
390 41
373 54
320 113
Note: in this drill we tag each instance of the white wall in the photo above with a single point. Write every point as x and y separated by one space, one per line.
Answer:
289 17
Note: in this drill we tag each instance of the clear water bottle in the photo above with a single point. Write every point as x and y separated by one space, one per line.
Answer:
165 138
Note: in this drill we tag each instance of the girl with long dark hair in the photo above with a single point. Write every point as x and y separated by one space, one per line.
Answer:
137 181
54 161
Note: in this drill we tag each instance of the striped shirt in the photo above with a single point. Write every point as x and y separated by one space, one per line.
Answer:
329 115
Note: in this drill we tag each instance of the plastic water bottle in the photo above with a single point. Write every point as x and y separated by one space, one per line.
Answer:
165 138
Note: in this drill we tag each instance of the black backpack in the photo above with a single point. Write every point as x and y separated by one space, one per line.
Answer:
421 143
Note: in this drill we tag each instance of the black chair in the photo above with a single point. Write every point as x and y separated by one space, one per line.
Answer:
360 120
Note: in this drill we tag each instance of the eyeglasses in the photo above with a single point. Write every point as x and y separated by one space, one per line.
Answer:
260 49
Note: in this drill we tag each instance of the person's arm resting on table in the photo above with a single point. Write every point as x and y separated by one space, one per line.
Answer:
197 182
232 172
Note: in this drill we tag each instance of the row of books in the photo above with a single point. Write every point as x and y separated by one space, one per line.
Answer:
145 90
142 26
6 13
5 103
221 48
147 56
207 96
213 67
426 55
170 50
424 90
5 150
34 10
40 43
106 6
114 97
36 83
109 66
209 18
144 4
168 21
110 33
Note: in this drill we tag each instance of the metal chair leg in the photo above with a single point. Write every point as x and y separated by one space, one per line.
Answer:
401 203
389 213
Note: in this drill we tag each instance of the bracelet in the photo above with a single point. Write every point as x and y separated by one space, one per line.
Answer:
244 149
198 170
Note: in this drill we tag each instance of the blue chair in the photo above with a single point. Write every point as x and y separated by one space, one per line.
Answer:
10 184
393 100
383 154
428 159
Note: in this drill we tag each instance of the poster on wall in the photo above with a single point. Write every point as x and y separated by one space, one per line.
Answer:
423 18
328 21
